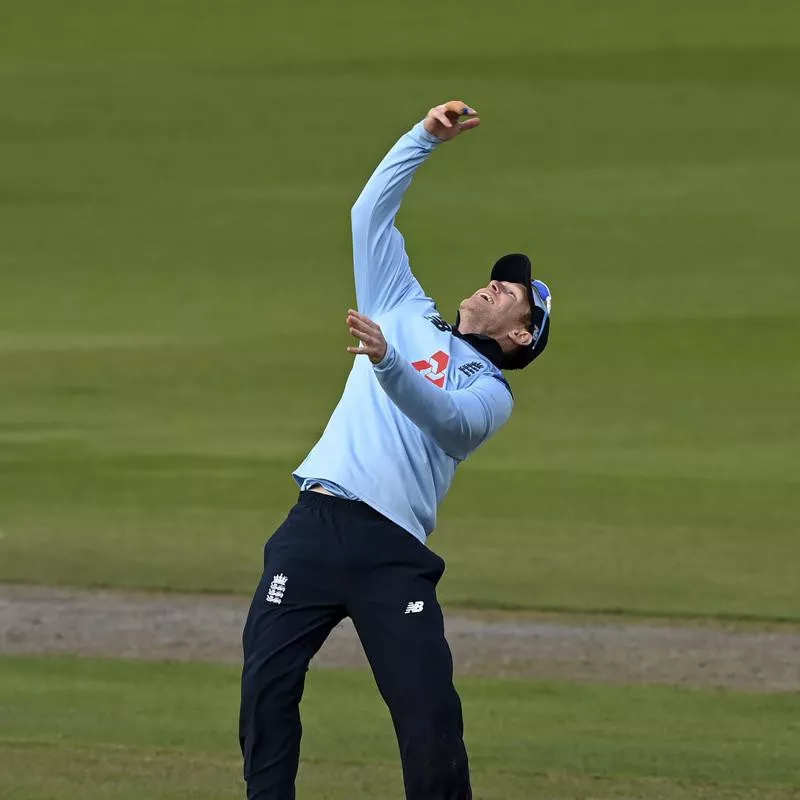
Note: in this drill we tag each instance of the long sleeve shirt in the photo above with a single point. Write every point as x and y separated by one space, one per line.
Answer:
403 425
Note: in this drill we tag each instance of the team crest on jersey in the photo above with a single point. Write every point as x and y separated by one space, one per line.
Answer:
434 368
471 367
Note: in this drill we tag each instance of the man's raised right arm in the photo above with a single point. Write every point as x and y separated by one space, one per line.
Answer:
382 272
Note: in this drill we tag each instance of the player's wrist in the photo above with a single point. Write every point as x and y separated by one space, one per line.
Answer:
387 361
421 133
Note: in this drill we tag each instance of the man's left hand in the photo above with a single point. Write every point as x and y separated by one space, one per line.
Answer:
372 342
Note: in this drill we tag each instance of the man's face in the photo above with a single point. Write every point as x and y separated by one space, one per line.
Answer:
500 310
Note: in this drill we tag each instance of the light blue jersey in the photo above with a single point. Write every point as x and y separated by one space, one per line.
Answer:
403 426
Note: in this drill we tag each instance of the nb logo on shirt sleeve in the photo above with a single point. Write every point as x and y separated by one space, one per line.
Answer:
434 368
439 322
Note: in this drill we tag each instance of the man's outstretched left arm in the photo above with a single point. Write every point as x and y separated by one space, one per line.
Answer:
457 420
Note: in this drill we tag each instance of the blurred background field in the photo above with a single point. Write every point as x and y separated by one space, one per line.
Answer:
175 264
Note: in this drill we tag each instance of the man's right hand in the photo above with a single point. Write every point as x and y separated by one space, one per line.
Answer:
442 121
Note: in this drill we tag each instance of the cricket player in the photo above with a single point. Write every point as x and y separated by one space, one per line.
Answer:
421 397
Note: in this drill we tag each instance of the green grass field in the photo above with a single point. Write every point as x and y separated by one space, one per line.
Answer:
176 266
179 737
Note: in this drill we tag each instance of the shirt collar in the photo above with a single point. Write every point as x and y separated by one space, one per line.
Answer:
485 345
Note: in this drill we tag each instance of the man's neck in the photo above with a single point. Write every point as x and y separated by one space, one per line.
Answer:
466 328
485 345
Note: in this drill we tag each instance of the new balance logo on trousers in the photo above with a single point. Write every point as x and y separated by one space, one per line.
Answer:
344 559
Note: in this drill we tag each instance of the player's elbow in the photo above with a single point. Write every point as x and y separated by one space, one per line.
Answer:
455 446
361 214
455 437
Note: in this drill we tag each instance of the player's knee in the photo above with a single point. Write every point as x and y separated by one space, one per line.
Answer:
270 697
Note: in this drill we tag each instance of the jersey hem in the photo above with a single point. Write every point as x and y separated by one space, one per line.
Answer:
298 479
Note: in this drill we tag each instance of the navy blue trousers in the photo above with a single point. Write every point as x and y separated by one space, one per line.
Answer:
330 559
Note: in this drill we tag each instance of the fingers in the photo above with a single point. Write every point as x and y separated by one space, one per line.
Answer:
440 115
366 339
469 124
448 112
351 312
354 319
443 120
364 328
369 333
363 349
459 108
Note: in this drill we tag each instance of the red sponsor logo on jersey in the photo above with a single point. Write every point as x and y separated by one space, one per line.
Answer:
434 368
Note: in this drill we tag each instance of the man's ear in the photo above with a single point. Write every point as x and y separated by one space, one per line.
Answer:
521 337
